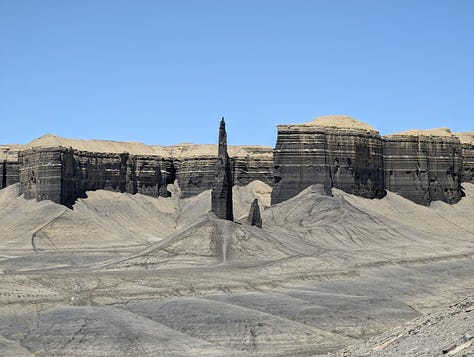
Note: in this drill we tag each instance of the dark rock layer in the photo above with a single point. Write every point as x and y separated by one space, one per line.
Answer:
9 166
10 173
194 166
221 195
63 175
423 168
350 159
340 152
467 147
254 218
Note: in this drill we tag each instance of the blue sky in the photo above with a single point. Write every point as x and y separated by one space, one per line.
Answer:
164 72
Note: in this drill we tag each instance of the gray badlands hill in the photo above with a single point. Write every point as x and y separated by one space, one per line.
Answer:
106 220
124 274
445 331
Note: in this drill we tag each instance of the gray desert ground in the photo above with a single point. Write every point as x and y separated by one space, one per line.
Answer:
123 275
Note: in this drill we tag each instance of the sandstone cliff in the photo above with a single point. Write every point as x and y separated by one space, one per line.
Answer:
336 151
424 165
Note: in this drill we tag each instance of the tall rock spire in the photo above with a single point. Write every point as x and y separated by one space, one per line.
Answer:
221 197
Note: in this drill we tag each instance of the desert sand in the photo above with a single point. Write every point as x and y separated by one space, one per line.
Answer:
177 151
123 274
340 121
466 137
426 132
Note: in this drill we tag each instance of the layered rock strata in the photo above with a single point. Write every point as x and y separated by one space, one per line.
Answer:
62 170
221 195
9 166
63 175
194 165
424 165
467 147
335 151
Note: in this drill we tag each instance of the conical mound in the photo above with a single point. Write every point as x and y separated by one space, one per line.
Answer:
208 242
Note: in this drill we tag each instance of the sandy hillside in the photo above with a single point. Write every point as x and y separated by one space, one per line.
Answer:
448 330
107 220
128 274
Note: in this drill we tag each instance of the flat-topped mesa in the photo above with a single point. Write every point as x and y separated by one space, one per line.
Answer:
62 170
424 165
9 166
467 146
221 196
335 151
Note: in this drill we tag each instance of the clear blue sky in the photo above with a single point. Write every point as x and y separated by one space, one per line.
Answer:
164 72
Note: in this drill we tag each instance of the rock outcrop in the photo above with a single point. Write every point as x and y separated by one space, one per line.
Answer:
194 165
9 166
221 195
254 218
340 152
424 165
62 170
335 151
63 175
467 147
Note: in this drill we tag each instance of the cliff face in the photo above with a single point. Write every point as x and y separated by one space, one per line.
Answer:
9 166
196 174
334 151
340 152
63 175
194 165
63 170
424 166
85 171
467 147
